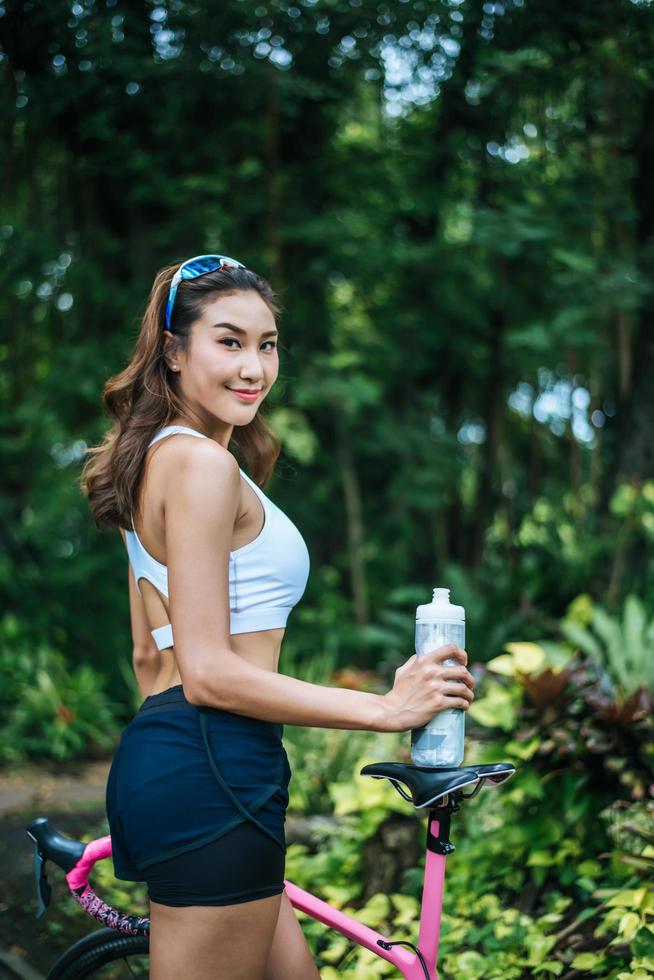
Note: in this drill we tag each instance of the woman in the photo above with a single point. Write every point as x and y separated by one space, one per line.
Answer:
198 789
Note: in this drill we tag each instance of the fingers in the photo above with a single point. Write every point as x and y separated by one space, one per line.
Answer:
448 652
432 665
458 703
458 690
450 673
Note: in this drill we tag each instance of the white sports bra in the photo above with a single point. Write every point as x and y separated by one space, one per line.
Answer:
267 577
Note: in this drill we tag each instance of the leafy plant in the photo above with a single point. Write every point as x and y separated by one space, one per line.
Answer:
320 757
49 710
565 712
623 645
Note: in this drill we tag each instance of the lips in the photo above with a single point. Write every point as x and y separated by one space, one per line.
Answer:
244 391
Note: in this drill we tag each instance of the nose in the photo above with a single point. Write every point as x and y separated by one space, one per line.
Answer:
251 369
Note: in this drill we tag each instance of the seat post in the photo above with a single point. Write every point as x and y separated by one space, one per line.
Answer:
440 816
438 847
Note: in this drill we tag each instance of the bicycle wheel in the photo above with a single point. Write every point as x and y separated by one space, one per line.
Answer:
107 954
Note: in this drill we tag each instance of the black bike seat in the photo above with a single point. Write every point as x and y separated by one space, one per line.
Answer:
427 785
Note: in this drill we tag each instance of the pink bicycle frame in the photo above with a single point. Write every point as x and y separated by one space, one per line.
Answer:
416 963
407 962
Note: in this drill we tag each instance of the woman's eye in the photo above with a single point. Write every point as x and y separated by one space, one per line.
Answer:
228 340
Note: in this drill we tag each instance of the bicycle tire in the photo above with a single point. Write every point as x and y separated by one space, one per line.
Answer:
91 954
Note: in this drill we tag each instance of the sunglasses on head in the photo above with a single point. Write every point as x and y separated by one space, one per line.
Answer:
191 269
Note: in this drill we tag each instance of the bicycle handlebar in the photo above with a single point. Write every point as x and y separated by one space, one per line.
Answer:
77 859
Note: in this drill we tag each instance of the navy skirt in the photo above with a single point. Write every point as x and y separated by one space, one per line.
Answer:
185 775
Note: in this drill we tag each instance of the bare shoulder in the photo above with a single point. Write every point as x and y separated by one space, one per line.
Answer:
199 472
188 451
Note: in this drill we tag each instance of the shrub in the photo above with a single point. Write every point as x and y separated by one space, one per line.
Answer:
48 710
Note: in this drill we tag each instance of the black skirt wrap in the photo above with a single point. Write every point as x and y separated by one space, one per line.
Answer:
184 775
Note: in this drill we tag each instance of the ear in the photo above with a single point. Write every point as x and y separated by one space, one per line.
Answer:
169 346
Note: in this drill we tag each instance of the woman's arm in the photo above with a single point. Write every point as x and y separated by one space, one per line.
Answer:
146 658
201 501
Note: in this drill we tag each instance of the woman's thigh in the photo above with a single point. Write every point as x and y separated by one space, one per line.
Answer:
214 908
228 942
290 956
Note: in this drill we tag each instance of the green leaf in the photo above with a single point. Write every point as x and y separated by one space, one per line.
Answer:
496 710
629 925
553 967
586 961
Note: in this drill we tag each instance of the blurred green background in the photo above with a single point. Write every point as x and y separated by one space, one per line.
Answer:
454 200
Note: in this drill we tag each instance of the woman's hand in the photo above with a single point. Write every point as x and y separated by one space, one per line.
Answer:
425 685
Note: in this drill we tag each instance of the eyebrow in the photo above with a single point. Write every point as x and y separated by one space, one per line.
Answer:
232 326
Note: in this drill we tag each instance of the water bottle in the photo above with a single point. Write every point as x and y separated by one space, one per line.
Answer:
439 743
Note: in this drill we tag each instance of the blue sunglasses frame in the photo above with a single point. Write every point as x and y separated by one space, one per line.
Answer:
199 265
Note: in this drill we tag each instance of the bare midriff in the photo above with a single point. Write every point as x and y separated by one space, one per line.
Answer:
262 647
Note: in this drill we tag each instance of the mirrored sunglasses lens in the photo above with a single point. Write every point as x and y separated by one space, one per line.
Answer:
199 267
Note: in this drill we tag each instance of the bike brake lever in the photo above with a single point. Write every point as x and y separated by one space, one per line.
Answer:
41 883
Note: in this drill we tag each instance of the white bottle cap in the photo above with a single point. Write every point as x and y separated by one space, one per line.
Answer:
440 609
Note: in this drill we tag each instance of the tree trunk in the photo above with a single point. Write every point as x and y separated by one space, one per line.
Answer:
635 450
355 528
493 404
274 180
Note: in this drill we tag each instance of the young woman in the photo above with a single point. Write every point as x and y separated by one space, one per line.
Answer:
198 789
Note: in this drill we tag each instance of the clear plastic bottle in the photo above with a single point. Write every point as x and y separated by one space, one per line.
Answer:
439 743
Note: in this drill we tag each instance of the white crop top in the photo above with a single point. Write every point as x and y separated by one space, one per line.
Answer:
267 577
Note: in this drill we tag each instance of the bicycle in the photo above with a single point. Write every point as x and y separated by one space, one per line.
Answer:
124 940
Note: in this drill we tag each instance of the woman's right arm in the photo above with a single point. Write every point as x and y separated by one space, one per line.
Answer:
201 501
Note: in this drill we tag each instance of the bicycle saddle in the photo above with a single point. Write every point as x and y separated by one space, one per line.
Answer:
427 785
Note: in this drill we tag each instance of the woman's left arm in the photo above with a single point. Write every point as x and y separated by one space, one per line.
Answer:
146 658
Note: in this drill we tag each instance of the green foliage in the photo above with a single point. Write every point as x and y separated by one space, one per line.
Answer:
581 745
631 829
457 273
502 917
48 710
534 888
465 398
565 714
552 872
320 755
634 505
624 645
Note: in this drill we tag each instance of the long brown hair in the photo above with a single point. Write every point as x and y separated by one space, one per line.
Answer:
144 397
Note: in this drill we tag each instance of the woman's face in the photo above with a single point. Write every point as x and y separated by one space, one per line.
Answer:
233 346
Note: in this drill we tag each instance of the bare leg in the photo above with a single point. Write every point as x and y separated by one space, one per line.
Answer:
290 955
209 942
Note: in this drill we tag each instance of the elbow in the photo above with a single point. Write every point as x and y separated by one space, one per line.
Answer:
202 695
144 656
198 689
209 688
193 693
